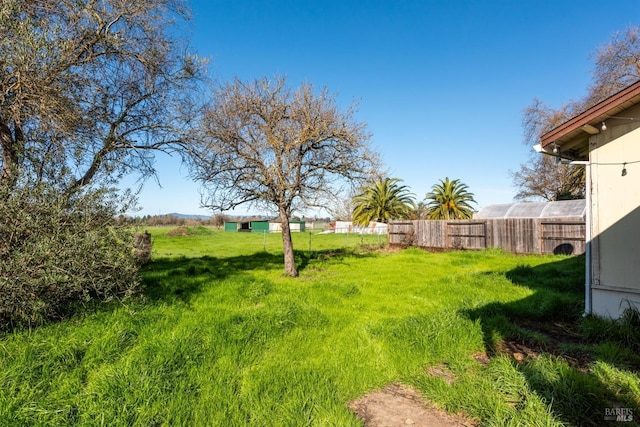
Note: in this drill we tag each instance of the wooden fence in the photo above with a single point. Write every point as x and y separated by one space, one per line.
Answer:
518 235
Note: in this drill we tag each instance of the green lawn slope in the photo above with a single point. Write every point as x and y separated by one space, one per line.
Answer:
222 338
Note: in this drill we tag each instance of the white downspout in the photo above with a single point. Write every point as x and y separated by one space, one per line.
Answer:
587 252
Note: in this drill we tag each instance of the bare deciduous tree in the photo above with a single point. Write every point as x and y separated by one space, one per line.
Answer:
538 118
341 207
282 149
545 179
616 66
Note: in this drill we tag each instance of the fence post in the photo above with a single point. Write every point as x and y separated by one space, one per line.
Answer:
447 239
540 239
488 234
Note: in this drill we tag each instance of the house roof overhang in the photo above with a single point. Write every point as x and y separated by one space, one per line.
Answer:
572 137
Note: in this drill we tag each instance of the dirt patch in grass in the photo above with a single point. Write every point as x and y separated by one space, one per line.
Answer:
558 334
562 339
519 351
442 371
398 405
481 358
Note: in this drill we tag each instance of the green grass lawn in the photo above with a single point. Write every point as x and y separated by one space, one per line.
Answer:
222 338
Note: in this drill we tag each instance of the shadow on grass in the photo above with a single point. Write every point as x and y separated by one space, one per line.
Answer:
306 259
558 293
542 335
169 279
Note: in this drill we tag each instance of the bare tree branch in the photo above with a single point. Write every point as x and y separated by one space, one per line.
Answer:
266 144
616 66
94 87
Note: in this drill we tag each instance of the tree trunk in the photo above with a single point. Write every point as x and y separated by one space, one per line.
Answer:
9 174
287 246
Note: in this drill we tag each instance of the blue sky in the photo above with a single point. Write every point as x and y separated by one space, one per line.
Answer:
440 84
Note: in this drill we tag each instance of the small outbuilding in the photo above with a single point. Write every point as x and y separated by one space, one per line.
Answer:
349 227
294 226
261 226
297 226
237 226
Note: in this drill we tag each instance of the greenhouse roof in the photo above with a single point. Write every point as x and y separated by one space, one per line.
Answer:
559 209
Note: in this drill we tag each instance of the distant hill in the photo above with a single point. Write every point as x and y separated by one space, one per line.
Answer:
188 216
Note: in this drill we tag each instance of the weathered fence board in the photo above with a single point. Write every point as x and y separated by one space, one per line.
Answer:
402 233
467 235
518 235
562 237
429 235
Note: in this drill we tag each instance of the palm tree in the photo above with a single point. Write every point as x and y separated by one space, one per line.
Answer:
450 200
381 201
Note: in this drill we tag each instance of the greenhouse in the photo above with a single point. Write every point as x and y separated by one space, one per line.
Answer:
573 209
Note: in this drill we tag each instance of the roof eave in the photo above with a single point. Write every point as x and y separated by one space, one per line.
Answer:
583 125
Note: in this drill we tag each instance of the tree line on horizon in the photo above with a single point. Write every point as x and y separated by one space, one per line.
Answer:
216 220
91 91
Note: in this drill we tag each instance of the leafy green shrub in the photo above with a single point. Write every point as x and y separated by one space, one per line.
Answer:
58 248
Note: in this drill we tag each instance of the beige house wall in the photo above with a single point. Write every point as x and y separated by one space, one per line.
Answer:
615 226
